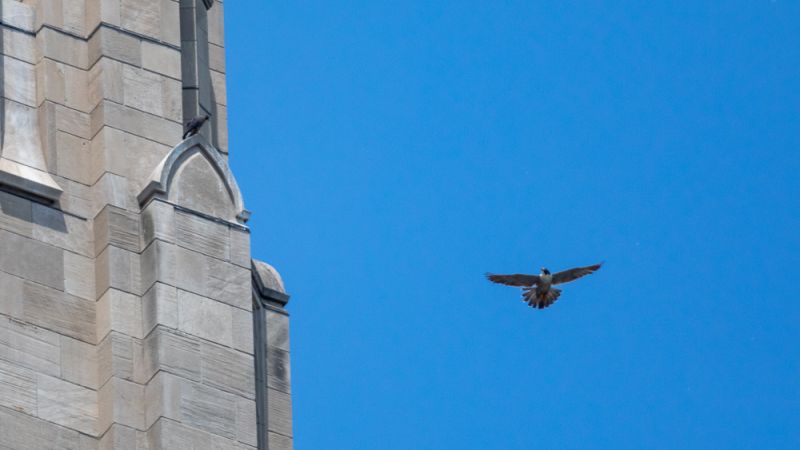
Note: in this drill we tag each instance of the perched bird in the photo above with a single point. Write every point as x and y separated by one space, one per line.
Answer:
537 290
193 126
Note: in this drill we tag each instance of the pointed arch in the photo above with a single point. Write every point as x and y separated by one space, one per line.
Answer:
194 155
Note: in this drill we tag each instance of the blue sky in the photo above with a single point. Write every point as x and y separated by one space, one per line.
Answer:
393 152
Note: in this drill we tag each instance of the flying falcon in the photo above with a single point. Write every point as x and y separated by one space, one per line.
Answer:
537 290
193 126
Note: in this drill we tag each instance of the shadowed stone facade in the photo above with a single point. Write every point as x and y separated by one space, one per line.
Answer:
131 313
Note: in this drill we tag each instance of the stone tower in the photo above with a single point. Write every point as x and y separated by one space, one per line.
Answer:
131 313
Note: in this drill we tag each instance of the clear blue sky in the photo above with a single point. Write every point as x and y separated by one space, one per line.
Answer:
393 152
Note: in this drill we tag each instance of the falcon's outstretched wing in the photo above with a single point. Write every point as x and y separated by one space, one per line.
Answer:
573 274
516 279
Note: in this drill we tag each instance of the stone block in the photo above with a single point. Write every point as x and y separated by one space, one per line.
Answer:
277 330
72 121
216 25
79 276
220 89
73 157
202 235
133 121
240 247
227 369
111 189
121 356
222 128
168 434
77 198
16 214
62 230
127 155
158 264
19 15
205 318
159 307
161 59
170 351
74 14
142 16
158 222
110 12
17 388
246 422
119 311
279 413
67 404
278 370
169 17
208 409
63 48
172 91
119 269
122 402
120 437
29 346
143 90
279 442
11 295
59 312
117 227
79 362
19 81
213 278
116 45
32 260
38 434
216 57
20 45
243 330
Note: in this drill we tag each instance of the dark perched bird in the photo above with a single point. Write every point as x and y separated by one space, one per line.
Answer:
193 126
537 290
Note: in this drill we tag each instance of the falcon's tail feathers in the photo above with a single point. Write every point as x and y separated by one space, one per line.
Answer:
540 301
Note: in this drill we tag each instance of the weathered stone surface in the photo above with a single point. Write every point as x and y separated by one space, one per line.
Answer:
159 307
169 434
197 186
38 434
208 409
158 264
16 214
119 311
280 412
72 121
161 59
213 278
122 402
17 388
278 370
119 269
279 442
277 330
64 48
72 157
19 81
79 362
158 222
59 312
240 247
32 260
29 346
243 330
118 227
62 230
67 404
246 422
228 369
11 295
19 15
115 44
123 357
137 122
202 235
170 351
79 275
206 318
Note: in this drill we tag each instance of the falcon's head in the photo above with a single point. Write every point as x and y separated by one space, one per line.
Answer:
545 271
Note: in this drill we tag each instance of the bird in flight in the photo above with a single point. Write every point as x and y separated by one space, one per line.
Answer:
537 290
193 126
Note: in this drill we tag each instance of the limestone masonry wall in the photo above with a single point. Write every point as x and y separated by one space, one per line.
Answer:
127 289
